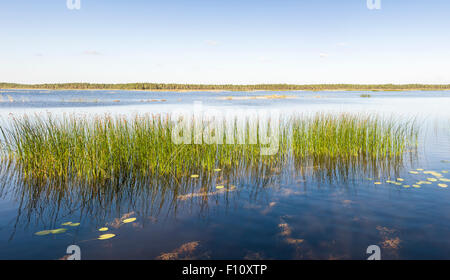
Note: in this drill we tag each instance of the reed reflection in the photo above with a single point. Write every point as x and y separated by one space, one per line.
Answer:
108 166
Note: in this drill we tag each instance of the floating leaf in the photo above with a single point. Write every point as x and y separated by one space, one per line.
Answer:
217 170
416 186
66 224
74 224
400 179
432 179
413 172
433 173
130 220
58 230
443 185
220 187
195 176
377 183
106 236
103 229
44 232
444 179
423 182
420 169
406 186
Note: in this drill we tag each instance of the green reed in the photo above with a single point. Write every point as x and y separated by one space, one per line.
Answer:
351 136
336 145
108 147
112 148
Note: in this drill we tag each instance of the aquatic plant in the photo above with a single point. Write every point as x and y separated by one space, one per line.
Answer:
347 142
346 136
108 147
113 148
57 165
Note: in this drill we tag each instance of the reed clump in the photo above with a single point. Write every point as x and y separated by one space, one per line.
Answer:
109 148
351 136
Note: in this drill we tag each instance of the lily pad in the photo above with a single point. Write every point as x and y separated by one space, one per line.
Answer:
106 236
43 232
443 185
103 229
434 173
58 230
130 220
423 182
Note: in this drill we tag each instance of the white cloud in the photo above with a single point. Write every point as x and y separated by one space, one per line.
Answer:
211 42
91 53
264 59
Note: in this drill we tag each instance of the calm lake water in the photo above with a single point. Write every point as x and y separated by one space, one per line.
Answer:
279 214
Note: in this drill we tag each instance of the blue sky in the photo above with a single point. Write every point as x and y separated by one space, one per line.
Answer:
225 41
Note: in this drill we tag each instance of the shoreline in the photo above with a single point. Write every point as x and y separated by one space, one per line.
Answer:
225 91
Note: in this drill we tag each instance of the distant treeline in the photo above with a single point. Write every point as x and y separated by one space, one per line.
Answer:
228 87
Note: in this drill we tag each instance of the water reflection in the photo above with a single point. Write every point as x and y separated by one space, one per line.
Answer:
45 203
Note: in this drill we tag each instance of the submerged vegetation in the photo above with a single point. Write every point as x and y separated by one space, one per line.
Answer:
225 87
113 148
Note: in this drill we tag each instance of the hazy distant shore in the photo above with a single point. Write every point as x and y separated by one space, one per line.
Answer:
224 88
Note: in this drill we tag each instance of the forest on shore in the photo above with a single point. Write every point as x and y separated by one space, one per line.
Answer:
224 87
